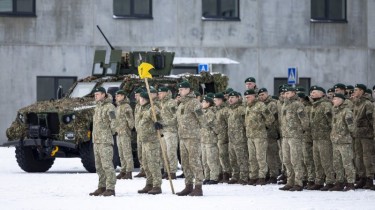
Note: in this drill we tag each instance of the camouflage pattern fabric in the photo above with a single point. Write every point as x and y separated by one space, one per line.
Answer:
307 149
210 151
221 129
320 122
170 140
103 154
189 113
280 104
137 112
125 123
238 152
363 111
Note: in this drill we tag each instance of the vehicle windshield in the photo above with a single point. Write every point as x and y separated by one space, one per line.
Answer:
82 89
111 87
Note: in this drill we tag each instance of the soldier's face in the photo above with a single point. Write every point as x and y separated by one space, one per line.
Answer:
218 101
358 92
330 95
162 95
119 97
263 96
316 94
142 101
289 94
183 91
99 96
250 85
250 98
339 90
337 101
205 104
233 99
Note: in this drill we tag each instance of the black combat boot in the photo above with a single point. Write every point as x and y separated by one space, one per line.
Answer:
286 187
272 180
141 174
173 176
120 175
206 181
296 188
261 181
98 191
164 176
232 181
316 187
197 191
145 189
109 193
181 176
327 187
155 191
309 184
252 182
337 187
188 189
360 183
243 182
213 182
128 175
220 179
349 186
226 177
369 183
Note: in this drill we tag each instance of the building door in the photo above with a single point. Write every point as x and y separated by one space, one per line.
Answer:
48 87
303 82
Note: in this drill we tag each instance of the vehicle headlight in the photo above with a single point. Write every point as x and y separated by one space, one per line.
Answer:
21 117
68 118
69 136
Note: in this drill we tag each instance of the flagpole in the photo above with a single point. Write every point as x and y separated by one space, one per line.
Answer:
159 136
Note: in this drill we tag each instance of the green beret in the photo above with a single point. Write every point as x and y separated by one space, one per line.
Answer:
290 88
340 85
144 95
197 93
250 79
219 95
100 89
300 89
153 90
122 92
249 92
208 99
138 90
184 84
369 91
339 95
228 90
163 89
315 87
373 88
211 95
275 97
331 90
361 86
234 93
301 95
350 87
262 90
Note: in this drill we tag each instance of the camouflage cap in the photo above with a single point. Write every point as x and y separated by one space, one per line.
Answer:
361 86
262 90
100 89
184 84
339 95
138 90
234 93
340 86
250 79
249 92
208 99
219 95
144 95
228 90
197 93
350 87
163 89
331 90
122 92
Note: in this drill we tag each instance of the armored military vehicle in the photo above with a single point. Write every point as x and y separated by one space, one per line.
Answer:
50 129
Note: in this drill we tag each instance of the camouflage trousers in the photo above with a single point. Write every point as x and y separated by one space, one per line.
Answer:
224 155
191 155
151 162
257 157
170 140
292 159
343 163
323 162
308 160
280 145
239 157
273 158
104 165
210 160
125 153
139 153
364 152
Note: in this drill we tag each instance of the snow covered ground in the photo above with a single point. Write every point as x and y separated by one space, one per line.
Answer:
67 185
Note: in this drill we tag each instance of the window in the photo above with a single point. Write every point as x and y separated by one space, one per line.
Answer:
132 9
328 11
303 82
52 87
220 10
17 8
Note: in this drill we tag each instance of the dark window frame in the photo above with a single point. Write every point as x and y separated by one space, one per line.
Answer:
14 12
218 11
326 19
132 14
55 82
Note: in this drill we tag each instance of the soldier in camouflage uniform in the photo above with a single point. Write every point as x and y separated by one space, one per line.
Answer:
330 93
210 150
137 109
320 124
250 83
238 152
342 143
189 113
103 130
221 129
341 88
169 121
282 178
150 146
273 158
124 126
256 119
294 122
363 137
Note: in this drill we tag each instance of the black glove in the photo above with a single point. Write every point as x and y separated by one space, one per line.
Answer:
158 126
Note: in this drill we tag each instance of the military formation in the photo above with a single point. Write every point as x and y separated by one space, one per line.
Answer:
302 139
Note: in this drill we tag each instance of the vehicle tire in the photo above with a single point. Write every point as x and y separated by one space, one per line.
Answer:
28 160
86 152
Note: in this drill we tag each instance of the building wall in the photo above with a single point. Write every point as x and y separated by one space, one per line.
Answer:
271 36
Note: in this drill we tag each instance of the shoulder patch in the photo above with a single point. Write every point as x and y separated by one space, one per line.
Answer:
199 112
112 115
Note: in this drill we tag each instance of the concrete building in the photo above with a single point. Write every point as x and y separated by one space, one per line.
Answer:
267 38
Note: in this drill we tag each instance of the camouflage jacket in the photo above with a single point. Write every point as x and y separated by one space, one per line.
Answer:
321 119
342 125
188 114
307 134
272 129
294 120
125 118
363 111
168 108
279 105
137 111
146 130
104 122
256 118
221 127
208 135
236 123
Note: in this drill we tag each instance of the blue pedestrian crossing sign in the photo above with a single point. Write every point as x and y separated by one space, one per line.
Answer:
203 67
292 76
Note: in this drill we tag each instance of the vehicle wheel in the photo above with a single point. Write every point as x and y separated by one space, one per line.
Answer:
28 160
86 152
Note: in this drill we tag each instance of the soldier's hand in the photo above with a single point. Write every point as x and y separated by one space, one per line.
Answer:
158 126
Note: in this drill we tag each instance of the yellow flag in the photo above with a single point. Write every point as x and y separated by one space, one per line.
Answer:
143 70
